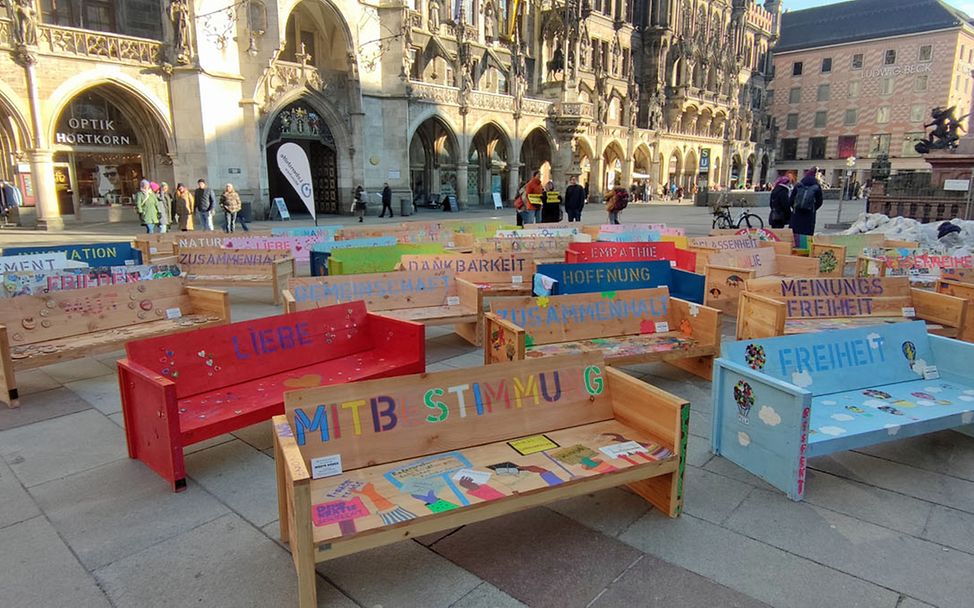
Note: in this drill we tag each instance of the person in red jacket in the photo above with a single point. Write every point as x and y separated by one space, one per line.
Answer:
535 192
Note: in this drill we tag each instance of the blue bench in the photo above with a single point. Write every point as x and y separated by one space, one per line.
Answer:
563 279
93 254
780 401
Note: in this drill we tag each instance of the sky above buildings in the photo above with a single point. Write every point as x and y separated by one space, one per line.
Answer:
965 5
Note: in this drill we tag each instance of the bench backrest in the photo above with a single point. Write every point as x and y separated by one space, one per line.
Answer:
730 242
564 279
321 251
93 254
299 247
327 233
427 416
542 231
540 247
60 314
40 283
854 243
359 260
226 355
37 262
840 360
963 275
475 267
830 298
766 261
771 235
608 251
380 290
553 319
901 261
227 262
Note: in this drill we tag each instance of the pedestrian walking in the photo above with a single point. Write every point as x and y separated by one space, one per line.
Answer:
230 203
6 201
183 205
165 207
616 200
551 209
359 204
519 206
806 199
574 200
205 202
386 200
147 206
780 202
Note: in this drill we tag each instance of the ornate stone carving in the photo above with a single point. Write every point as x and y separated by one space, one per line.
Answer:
111 47
25 16
181 26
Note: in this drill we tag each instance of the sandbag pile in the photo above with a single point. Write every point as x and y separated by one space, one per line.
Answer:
946 236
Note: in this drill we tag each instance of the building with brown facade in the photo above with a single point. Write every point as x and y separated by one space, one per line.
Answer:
860 78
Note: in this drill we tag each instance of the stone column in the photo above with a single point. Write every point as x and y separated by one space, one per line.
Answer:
462 185
41 157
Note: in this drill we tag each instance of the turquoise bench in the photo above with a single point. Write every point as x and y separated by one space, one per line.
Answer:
780 401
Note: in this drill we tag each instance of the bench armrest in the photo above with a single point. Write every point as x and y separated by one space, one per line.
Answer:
151 414
397 335
503 340
282 270
8 384
662 415
290 305
796 266
470 295
939 308
703 322
210 301
862 266
759 316
775 451
294 507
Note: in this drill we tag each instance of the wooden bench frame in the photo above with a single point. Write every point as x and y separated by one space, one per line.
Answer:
150 404
960 289
704 323
202 301
469 308
732 278
635 405
279 271
763 316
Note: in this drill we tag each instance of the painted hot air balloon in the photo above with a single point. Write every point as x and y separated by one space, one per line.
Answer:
910 351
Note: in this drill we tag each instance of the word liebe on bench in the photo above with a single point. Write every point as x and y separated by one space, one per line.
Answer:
417 406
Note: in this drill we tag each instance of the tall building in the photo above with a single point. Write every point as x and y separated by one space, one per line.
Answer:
462 97
860 78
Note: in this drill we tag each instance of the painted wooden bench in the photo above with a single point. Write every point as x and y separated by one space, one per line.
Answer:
39 283
630 252
38 262
63 325
92 254
726 272
964 290
780 401
562 279
924 266
430 298
542 249
493 275
158 246
361 260
237 267
777 306
180 390
320 252
631 326
493 440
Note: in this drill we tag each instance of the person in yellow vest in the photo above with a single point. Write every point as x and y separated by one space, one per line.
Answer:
551 211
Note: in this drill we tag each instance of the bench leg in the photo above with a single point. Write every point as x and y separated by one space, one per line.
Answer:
8 382
302 547
698 366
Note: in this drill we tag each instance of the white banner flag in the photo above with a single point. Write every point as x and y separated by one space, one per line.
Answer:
293 163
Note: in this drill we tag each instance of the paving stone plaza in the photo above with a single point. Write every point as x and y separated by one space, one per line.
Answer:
81 524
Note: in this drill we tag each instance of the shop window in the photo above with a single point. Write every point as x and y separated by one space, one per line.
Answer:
816 147
847 146
789 149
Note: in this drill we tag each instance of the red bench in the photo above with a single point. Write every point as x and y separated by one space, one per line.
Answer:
182 389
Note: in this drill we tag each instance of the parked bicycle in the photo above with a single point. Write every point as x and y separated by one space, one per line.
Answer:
723 218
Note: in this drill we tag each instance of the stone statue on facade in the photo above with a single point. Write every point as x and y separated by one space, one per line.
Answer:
179 13
616 56
26 16
406 30
434 18
489 23
633 99
944 135
557 63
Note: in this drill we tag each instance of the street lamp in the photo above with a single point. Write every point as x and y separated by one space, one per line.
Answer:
850 164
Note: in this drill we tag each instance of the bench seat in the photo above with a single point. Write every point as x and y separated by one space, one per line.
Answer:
229 280
624 349
853 419
509 492
43 353
809 326
200 414
435 315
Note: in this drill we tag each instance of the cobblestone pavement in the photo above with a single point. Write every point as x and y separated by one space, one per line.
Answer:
83 525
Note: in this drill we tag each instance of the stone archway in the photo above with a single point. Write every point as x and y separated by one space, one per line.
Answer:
642 172
536 155
675 168
613 166
15 136
690 168
433 161
488 169
302 123
583 157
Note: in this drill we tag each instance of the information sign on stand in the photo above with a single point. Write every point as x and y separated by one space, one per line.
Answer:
497 200
279 210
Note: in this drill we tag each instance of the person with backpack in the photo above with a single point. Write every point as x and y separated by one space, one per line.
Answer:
780 202
616 200
806 199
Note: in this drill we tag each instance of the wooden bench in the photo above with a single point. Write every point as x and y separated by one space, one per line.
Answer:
562 279
923 266
777 306
158 246
38 283
493 275
726 272
430 298
542 249
320 252
237 267
632 326
362 260
180 390
779 402
37 262
630 252
495 440
92 254
63 325
964 290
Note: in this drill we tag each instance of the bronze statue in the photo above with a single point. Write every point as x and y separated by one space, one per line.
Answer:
557 63
944 135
